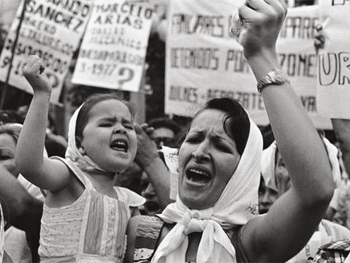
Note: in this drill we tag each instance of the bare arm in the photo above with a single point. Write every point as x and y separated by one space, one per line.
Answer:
293 218
148 158
25 211
29 154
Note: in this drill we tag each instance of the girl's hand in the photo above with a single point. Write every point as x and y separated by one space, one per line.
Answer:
261 22
33 71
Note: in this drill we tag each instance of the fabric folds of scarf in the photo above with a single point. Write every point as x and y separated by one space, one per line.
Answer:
72 152
237 204
269 163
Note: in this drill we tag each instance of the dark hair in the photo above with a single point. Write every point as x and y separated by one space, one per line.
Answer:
166 123
83 116
12 129
10 116
236 121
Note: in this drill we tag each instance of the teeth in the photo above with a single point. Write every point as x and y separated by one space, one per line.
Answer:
198 172
119 145
197 176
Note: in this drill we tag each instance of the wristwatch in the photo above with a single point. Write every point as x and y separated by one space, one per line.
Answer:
275 77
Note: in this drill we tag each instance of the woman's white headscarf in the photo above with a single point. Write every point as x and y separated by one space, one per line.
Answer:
269 163
72 152
237 204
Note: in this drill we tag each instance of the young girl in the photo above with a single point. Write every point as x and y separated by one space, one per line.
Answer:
85 216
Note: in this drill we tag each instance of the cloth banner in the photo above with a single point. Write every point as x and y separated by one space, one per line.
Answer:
203 61
333 81
50 29
113 50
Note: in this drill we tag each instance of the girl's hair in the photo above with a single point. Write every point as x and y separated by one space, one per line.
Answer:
236 122
83 115
12 129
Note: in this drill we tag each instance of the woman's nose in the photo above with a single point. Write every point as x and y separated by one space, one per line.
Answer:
201 153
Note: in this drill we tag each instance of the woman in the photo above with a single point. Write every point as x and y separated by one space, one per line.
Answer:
214 218
24 200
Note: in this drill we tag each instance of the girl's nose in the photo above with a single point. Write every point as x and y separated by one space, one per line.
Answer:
119 129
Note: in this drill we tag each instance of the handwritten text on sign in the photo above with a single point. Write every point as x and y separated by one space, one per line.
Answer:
333 83
204 62
44 32
113 50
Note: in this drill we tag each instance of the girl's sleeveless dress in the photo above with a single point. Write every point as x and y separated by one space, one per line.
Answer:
91 230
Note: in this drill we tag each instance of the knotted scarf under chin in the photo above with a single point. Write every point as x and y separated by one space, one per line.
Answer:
235 207
214 246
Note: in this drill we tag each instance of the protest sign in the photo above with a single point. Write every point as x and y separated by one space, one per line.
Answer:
203 61
51 29
113 49
333 82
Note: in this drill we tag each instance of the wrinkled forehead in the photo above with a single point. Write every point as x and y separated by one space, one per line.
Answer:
211 121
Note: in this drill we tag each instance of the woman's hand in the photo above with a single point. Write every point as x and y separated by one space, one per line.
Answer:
261 21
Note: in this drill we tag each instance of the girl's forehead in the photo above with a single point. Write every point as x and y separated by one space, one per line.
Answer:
110 108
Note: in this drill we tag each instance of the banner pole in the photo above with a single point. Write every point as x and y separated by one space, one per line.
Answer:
4 93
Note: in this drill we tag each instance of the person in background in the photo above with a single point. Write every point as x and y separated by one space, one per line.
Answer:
4 257
22 242
341 202
165 132
267 196
277 177
85 216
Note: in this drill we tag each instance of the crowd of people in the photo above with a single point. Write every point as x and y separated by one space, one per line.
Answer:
103 195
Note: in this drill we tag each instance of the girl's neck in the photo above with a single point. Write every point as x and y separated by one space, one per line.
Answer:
103 182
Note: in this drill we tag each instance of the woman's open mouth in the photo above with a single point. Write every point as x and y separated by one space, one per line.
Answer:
199 176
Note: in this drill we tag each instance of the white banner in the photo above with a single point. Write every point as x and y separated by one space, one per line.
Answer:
50 29
203 61
333 82
113 50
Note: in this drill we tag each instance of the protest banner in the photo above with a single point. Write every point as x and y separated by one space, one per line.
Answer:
51 29
333 81
113 50
203 61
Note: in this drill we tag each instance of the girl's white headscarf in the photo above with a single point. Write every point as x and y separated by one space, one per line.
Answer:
269 163
72 152
237 204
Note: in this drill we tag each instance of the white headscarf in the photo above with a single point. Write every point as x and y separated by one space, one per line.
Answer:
269 163
237 204
72 152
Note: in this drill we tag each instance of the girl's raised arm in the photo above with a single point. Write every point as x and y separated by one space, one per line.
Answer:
45 173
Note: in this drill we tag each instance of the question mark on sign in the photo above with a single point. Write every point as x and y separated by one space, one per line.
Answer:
126 75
